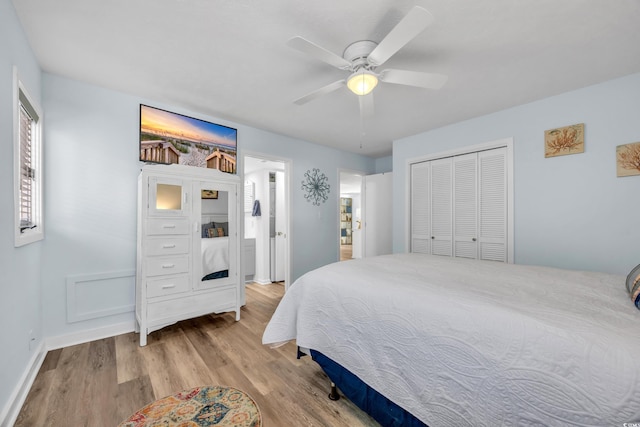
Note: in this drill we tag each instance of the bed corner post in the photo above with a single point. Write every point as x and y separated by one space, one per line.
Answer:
333 395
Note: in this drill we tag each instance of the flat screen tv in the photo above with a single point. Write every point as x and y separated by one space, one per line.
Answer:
167 137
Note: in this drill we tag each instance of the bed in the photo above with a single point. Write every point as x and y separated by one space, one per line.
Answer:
215 247
215 257
459 342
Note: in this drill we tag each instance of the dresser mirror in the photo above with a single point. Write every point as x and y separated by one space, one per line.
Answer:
214 235
168 197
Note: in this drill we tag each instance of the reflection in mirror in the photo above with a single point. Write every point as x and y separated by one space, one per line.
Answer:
168 197
215 234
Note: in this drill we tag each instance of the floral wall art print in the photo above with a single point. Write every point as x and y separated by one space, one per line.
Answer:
563 141
628 159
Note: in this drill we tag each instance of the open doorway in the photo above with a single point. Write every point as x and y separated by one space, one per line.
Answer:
351 209
266 219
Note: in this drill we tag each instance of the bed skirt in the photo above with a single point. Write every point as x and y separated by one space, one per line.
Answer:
383 410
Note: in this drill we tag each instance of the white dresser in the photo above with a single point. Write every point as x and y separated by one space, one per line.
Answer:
188 259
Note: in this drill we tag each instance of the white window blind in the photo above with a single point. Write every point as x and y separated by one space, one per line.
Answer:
249 188
27 167
27 171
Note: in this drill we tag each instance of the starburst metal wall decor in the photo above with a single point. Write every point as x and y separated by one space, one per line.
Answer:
316 185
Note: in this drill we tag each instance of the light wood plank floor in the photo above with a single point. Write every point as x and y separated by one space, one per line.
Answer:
102 382
346 252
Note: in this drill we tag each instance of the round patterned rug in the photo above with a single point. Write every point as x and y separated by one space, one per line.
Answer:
199 407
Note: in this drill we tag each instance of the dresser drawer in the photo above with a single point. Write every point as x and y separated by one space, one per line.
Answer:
166 246
159 266
191 305
158 226
167 285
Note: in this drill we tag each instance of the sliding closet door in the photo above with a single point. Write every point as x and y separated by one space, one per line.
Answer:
465 206
459 206
493 204
420 208
441 207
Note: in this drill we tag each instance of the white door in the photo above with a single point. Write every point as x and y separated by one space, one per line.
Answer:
378 214
493 204
465 206
441 207
281 227
420 208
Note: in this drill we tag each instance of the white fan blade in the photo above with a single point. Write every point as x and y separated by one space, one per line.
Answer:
322 91
414 78
312 49
366 105
411 25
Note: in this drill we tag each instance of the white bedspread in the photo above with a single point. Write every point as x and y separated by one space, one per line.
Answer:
215 255
474 343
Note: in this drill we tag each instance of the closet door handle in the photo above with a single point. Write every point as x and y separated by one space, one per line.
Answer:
168 246
433 237
168 265
168 226
168 286
473 240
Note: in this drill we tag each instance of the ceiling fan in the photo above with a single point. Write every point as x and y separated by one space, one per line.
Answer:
362 59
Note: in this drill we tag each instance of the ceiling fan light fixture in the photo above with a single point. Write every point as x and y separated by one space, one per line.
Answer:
362 82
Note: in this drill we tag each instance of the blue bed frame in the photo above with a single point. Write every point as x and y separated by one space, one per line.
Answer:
384 411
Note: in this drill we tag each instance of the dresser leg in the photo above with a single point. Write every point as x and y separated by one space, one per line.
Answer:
143 336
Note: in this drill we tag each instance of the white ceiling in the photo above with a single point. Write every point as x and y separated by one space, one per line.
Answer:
253 164
229 59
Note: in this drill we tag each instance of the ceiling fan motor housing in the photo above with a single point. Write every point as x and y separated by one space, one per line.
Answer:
357 54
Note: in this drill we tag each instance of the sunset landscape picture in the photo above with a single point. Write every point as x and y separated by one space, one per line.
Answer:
167 137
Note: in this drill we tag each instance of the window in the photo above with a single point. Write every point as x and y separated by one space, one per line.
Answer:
29 225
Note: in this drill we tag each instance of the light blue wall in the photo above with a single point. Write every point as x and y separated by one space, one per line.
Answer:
384 164
92 168
20 288
570 211
91 196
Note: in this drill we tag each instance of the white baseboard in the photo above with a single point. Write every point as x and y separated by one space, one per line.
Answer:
12 409
82 337
262 282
